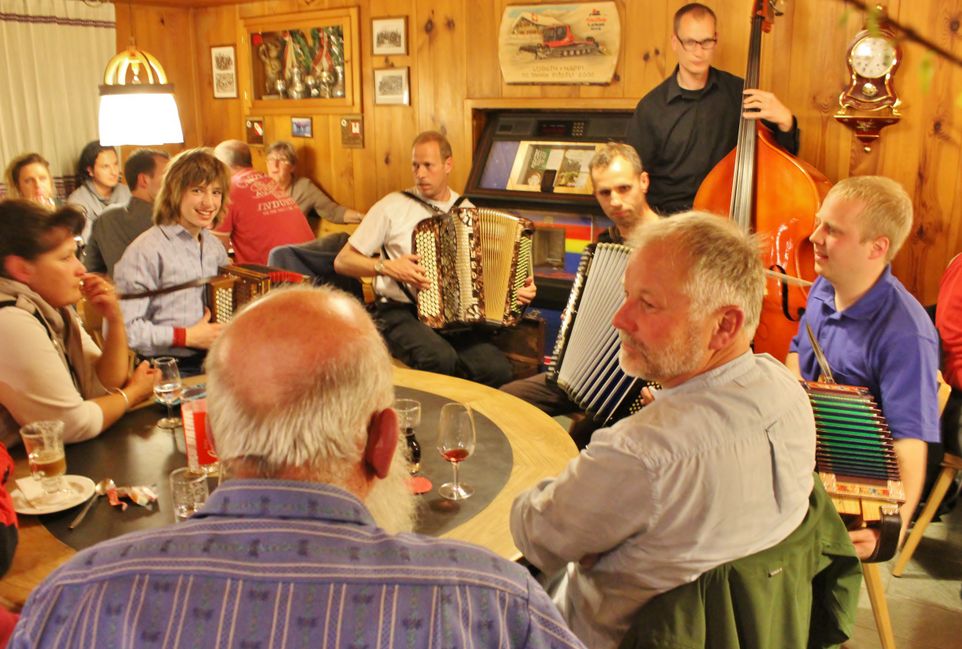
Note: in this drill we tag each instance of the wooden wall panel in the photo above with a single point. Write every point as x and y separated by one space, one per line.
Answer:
453 60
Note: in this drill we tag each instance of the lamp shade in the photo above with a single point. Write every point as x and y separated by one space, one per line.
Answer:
137 112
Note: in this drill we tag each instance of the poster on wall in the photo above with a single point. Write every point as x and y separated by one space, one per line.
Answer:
575 43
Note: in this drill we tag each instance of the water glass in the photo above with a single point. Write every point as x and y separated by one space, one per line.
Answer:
43 441
188 492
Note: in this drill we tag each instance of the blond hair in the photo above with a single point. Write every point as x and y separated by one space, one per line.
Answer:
886 208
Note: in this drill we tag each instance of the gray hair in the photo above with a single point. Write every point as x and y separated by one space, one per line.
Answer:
321 397
285 148
724 263
234 153
886 208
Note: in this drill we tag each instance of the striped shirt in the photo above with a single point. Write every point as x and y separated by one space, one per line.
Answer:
272 564
163 256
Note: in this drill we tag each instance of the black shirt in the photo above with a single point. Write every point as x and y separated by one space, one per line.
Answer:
682 134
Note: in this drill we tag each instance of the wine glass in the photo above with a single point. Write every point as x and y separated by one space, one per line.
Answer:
409 416
167 388
456 440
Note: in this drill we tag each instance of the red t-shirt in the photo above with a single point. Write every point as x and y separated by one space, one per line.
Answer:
948 320
261 217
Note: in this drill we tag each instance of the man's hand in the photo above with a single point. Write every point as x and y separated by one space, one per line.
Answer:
527 292
101 296
203 333
864 541
760 104
406 269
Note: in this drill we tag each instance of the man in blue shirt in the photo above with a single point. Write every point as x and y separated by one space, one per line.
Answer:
873 331
287 551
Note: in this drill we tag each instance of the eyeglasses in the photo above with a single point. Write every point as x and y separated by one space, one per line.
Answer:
690 43
278 160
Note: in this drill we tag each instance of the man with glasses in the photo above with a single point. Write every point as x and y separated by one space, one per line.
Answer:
689 122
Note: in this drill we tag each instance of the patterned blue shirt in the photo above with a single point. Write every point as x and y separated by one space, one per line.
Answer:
885 342
287 564
163 256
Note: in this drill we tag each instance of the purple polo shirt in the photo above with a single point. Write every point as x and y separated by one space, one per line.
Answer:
885 342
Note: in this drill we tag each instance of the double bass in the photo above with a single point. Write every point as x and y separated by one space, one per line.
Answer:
766 190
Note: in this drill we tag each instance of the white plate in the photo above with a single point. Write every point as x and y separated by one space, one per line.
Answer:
81 488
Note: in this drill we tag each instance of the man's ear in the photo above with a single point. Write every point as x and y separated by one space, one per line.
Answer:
880 247
382 435
18 268
728 325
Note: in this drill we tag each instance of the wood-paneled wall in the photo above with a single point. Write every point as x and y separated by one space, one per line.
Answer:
454 67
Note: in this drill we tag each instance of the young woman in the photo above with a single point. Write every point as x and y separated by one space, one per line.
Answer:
50 368
98 183
28 176
178 248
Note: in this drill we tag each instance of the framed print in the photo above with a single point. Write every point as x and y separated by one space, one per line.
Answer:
389 36
391 86
302 127
306 63
254 128
223 65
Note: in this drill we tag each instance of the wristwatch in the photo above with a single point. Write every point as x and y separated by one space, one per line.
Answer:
379 267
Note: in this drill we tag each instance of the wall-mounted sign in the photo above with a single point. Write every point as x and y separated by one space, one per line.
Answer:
560 43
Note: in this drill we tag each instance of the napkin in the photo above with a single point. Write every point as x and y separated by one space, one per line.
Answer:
33 491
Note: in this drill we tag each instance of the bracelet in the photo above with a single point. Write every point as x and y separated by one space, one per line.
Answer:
123 394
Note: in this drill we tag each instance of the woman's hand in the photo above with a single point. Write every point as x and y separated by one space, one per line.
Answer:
101 296
140 385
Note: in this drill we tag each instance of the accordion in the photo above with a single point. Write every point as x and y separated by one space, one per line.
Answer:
237 285
584 363
476 260
855 459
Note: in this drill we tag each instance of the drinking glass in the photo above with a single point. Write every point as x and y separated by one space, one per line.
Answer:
409 416
188 491
43 441
167 388
456 440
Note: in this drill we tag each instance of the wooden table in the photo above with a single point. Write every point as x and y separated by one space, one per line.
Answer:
541 448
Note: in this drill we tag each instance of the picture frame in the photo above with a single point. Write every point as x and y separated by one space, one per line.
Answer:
389 36
223 67
392 86
558 167
302 127
254 129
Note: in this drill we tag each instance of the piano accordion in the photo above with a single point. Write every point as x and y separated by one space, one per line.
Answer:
236 285
476 260
855 459
584 362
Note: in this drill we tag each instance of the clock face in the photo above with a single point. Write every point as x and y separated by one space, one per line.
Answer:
873 57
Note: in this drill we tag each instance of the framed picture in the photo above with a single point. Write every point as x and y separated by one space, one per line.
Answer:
223 65
559 167
391 86
302 127
389 36
254 128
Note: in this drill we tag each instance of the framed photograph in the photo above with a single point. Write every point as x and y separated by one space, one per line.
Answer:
389 36
302 127
391 86
558 167
254 128
223 65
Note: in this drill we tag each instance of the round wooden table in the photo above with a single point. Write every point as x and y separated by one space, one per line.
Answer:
539 446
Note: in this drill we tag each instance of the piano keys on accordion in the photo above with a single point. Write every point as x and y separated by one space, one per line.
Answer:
855 458
239 284
476 260
585 359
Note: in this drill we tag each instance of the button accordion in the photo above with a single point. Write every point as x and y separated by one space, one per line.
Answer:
236 285
855 459
477 260
585 363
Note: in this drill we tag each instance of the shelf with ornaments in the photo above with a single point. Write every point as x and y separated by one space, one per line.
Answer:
302 63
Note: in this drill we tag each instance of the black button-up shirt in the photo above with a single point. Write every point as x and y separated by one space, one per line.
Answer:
682 134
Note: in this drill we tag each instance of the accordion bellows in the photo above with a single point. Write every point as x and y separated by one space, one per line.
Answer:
476 260
236 285
585 359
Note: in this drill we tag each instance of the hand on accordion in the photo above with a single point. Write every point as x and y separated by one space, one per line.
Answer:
527 292
407 269
203 333
864 541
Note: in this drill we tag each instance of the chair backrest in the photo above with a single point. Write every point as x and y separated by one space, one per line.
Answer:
802 592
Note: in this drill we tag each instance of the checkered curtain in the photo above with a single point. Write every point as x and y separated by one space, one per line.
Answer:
52 58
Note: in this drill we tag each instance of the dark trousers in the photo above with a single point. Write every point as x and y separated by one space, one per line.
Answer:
551 399
466 354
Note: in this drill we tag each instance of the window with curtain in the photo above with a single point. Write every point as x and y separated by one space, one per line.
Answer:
52 59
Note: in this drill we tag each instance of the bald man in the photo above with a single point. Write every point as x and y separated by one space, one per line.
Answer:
299 542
